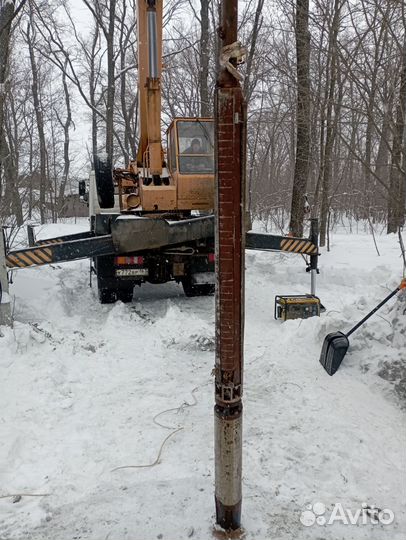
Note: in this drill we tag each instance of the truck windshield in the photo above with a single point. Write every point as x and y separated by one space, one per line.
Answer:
196 147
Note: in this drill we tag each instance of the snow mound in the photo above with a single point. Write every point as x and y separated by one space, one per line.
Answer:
87 388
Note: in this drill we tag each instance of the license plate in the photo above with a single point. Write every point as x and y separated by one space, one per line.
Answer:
130 272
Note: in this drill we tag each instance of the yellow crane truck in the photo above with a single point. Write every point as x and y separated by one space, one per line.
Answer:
153 221
173 186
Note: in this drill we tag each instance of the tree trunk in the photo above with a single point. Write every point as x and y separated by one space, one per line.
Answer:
66 144
248 88
6 17
40 125
11 164
92 89
331 124
302 162
382 159
110 81
127 109
396 200
249 85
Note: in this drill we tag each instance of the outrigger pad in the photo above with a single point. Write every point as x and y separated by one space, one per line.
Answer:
334 349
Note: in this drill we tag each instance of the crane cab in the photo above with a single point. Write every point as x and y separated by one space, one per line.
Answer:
189 172
190 159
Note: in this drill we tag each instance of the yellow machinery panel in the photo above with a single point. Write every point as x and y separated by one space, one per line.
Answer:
158 197
195 192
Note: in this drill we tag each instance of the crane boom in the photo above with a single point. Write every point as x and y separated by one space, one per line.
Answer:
181 179
150 153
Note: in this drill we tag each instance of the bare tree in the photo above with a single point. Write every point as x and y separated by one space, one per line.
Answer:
66 124
331 121
302 164
6 18
396 201
36 90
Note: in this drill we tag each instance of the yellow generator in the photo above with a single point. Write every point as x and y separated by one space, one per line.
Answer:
296 307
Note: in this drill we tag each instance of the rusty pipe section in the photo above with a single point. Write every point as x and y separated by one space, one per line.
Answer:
228 466
230 122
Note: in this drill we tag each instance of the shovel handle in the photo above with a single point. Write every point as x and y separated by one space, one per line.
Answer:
401 286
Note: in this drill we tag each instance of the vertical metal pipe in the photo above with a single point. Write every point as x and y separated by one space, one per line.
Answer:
313 274
5 308
152 44
230 122
31 235
153 85
314 237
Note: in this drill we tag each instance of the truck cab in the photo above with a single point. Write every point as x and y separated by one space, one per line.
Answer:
190 157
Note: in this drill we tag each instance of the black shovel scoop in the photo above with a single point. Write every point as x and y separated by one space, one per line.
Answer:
336 344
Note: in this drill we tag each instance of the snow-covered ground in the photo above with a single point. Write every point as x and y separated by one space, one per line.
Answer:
82 385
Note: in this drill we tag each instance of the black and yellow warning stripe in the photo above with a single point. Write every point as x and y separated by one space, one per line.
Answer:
66 250
29 257
48 242
298 245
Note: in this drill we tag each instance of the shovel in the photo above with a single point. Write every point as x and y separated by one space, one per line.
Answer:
336 344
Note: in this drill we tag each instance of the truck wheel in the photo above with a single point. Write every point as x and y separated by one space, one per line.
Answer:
107 296
192 289
125 294
104 182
